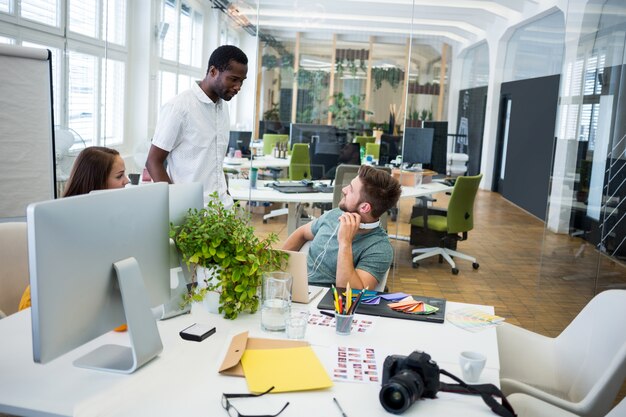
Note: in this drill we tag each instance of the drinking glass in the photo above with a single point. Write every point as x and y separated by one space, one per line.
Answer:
275 300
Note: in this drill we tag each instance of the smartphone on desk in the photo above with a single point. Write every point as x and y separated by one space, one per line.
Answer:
197 332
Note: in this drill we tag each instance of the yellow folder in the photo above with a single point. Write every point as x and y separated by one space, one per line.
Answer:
291 369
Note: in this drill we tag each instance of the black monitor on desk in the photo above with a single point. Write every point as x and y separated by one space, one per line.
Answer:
240 140
390 146
418 146
325 143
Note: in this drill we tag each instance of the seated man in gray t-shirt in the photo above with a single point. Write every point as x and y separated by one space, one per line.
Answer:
348 245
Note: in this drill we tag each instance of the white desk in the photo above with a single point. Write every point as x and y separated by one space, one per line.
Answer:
257 162
183 380
240 190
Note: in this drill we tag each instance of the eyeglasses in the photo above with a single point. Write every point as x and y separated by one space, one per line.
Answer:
233 412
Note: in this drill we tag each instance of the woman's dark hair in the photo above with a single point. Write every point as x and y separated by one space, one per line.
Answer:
90 171
221 57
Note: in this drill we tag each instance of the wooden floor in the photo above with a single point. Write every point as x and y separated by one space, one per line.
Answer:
534 278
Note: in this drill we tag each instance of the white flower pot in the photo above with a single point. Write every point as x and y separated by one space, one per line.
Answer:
205 276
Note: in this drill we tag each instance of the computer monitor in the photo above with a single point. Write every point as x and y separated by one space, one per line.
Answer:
240 140
325 144
418 146
389 148
97 261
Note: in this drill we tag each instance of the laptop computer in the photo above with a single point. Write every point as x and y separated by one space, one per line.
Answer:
301 292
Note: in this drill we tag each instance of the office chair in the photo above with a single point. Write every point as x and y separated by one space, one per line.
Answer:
373 149
14 277
300 163
270 141
459 218
363 140
581 370
299 169
527 406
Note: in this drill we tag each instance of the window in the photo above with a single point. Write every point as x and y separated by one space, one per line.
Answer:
41 11
103 20
181 48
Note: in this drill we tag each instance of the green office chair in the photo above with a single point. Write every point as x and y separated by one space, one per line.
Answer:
299 169
459 218
270 141
363 140
372 149
300 163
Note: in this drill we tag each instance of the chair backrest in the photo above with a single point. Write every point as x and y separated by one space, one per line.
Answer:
372 149
343 175
300 164
363 140
592 353
461 206
270 140
14 276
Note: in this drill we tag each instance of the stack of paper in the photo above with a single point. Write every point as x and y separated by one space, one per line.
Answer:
412 306
473 319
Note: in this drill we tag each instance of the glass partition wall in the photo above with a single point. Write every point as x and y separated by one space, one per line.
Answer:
584 246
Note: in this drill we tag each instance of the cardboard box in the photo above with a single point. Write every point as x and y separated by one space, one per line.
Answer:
412 178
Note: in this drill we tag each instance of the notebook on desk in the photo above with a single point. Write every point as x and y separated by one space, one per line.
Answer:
301 292
382 310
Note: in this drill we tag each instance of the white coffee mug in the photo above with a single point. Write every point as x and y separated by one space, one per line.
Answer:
472 364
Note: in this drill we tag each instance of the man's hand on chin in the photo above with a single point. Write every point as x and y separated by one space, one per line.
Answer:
348 227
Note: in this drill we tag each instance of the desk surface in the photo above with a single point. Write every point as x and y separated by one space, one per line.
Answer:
183 380
240 190
257 162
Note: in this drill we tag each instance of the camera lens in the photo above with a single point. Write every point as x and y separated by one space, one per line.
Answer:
402 390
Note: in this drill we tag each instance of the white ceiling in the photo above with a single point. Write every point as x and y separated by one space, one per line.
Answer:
456 22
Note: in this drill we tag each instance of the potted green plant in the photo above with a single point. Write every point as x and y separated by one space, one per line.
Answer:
222 239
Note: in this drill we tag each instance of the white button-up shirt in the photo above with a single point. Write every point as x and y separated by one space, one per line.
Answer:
195 132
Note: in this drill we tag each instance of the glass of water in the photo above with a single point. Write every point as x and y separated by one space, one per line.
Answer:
275 300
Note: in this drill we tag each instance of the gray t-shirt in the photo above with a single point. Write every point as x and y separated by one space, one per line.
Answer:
371 251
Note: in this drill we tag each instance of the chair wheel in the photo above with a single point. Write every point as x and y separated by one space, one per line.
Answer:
416 265
455 271
475 265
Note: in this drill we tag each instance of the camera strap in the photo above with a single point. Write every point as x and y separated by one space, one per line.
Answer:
486 391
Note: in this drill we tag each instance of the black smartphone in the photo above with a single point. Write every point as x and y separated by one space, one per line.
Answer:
197 332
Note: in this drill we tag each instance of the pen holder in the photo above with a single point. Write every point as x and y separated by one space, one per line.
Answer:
343 323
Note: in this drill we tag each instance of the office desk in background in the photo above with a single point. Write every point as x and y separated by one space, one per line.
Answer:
184 379
240 190
258 162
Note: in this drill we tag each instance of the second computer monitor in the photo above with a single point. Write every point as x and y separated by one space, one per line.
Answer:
418 146
240 140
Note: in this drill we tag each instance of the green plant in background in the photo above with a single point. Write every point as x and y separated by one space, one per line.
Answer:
424 114
223 239
316 85
347 111
273 114
393 76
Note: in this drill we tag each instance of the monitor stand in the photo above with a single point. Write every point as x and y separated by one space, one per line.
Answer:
145 342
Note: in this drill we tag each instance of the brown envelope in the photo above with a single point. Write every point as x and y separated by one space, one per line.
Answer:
232 361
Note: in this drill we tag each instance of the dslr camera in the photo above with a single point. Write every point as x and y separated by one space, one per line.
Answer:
407 379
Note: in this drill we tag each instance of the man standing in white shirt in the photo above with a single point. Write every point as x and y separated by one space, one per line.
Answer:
192 132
